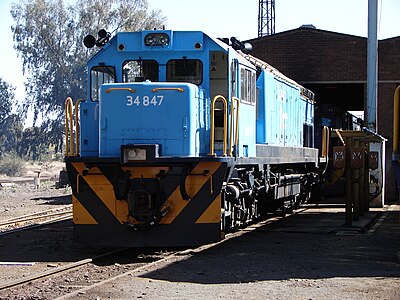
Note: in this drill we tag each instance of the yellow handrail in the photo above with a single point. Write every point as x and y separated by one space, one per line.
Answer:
325 142
212 134
109 90
69 142
396 106
77 129
168 89
236 126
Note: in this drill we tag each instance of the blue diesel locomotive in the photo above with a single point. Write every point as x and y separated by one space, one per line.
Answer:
183 138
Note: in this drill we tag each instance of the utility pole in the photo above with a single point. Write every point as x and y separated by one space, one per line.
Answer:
372 65
266 17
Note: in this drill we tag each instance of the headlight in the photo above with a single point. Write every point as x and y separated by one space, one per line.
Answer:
156 39
139 152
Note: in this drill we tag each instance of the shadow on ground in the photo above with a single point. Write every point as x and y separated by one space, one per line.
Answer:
54 200
299 247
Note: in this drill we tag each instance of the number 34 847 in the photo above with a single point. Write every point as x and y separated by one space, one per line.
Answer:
144 100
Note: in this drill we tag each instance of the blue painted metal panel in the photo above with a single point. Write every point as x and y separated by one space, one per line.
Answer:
89 128
247 130
282 111
170 118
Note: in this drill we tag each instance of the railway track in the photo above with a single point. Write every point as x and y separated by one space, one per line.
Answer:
56 271
35 219
76 278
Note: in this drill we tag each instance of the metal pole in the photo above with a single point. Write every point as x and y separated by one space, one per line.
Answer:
372 64
349 179
362 186
356 187
366 182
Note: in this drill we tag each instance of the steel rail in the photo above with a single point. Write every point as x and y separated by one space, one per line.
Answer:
178 255
40 224
57 270
35 217
40 212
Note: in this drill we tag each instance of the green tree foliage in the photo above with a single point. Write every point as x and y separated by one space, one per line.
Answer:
35 143
48 36
6 99
10 124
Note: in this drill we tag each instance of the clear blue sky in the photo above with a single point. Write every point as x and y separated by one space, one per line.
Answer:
226 18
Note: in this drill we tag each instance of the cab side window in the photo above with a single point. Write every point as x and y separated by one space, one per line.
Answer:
248 86
98 76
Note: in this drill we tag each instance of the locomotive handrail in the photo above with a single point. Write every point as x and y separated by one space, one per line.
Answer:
69 142
236 125
212 134
77 129
70 118
396 123
120 89
168 89
325 142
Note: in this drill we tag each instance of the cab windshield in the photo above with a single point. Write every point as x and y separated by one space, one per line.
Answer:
140 70
185 70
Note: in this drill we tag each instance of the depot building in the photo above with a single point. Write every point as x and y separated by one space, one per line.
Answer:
334 66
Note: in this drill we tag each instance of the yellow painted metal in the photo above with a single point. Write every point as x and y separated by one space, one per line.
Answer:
71 149
168 89
109 90
77 129
212 133
80 214
194 182
100 185
396 106
234 127
69 141
212 213
325 141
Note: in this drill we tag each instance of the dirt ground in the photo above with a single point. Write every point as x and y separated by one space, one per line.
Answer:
301 257
21 195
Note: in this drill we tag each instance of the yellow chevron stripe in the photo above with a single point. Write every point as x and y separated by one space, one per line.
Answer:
104 190
212 213
100 185
194 182
80 214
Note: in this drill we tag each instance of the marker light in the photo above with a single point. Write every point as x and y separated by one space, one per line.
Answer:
156 39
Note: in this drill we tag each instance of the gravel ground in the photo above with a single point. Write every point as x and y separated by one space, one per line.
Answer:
19 196
301 257
23 198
